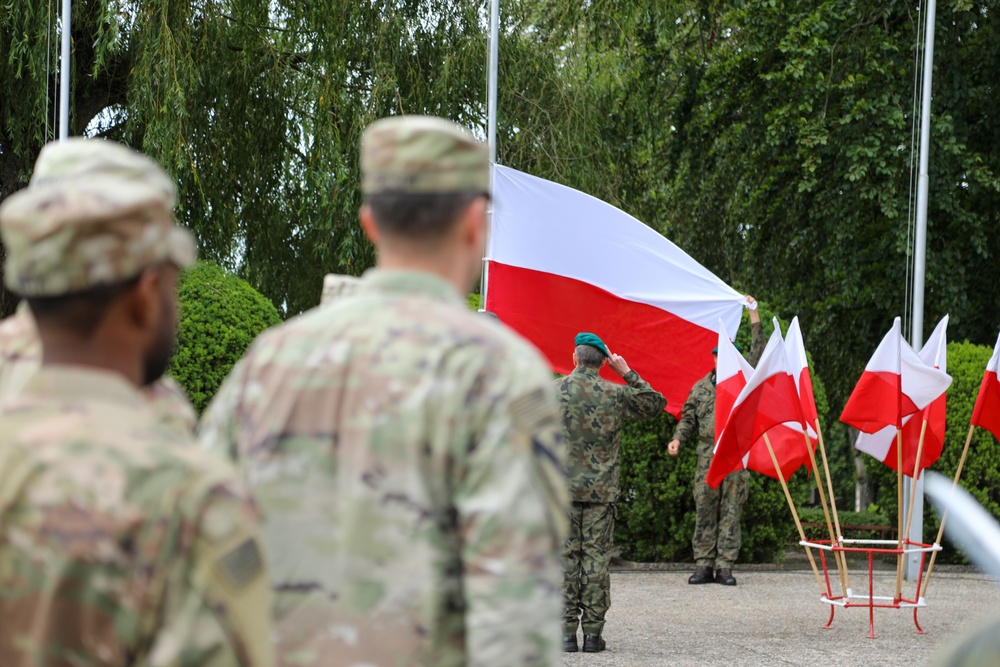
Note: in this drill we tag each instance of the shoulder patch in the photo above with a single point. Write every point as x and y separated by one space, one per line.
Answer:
531 411
241 565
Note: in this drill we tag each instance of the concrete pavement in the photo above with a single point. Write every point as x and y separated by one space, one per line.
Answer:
775 617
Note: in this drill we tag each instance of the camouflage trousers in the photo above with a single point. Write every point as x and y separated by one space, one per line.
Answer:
586 557
717 537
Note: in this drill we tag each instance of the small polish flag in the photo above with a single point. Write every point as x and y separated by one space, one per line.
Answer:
882 443
895 383
768 399
986 412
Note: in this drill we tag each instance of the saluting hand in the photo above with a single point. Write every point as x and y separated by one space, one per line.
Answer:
618 365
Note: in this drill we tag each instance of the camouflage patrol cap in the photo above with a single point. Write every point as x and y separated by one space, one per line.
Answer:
422 155
336 285
94 213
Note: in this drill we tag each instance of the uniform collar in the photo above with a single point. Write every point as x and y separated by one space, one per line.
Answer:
410 282
58 381
586 370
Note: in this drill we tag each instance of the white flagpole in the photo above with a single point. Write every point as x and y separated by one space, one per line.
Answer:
491 126
912 563
64 72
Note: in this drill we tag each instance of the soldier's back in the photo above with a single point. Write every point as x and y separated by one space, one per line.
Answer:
364 427
110 526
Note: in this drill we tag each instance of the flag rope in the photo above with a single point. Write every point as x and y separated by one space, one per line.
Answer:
944 517
795 514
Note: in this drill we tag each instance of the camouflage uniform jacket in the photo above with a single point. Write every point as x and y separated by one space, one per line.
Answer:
21 357
407 457
121 542
594 411
698 414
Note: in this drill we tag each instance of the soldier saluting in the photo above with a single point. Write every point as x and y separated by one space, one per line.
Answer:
594 411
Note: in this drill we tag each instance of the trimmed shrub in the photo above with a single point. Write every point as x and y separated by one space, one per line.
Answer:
220 315
981 473
656 513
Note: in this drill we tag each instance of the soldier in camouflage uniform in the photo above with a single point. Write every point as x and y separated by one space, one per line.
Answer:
717 538
121 542
21 356
406 453
594 411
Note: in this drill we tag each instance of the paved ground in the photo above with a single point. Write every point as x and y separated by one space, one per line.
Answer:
776 618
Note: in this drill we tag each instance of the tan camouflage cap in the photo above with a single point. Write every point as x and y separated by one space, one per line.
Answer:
422 155
94 213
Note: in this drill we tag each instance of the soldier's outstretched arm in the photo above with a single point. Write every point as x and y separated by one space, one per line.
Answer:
512 504
217 610
640 399
687 428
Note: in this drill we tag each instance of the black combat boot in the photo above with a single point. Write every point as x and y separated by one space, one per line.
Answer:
725 577
593 643
702 575
569 644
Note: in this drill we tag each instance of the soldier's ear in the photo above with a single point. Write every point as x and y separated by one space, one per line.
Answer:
368 224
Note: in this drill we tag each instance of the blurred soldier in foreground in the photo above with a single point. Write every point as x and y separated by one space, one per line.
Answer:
594 411
121 542
406 453
717 537
21 356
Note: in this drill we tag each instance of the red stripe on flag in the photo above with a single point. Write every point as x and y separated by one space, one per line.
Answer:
549 310
986 413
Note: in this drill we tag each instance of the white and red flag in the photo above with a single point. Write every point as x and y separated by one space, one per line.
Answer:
882 443
986 412
731 374
768 399
561 262
788 439
896 383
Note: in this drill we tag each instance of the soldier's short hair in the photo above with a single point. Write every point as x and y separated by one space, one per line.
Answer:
80 312
589 356
418 216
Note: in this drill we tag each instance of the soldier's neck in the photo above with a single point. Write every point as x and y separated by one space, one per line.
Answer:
60 348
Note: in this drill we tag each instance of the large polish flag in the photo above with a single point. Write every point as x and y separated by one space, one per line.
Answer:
882 443
561 262
768 399
896 383
986 412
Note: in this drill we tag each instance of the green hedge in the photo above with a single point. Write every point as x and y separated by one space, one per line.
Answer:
656 514
220 315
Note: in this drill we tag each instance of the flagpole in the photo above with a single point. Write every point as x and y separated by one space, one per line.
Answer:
899 511
833 503
492 66
795 514
837 555
64 66
912 565
916 471
944 517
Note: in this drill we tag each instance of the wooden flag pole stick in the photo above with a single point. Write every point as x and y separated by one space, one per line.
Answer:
833 503
795 514
937 540
916 473
826 514
899 511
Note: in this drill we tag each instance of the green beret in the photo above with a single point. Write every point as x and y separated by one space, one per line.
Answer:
715 350
585 338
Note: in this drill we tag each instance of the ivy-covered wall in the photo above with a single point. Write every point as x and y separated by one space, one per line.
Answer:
220 315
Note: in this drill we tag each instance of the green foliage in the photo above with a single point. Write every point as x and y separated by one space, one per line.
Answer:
981 472
220 315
